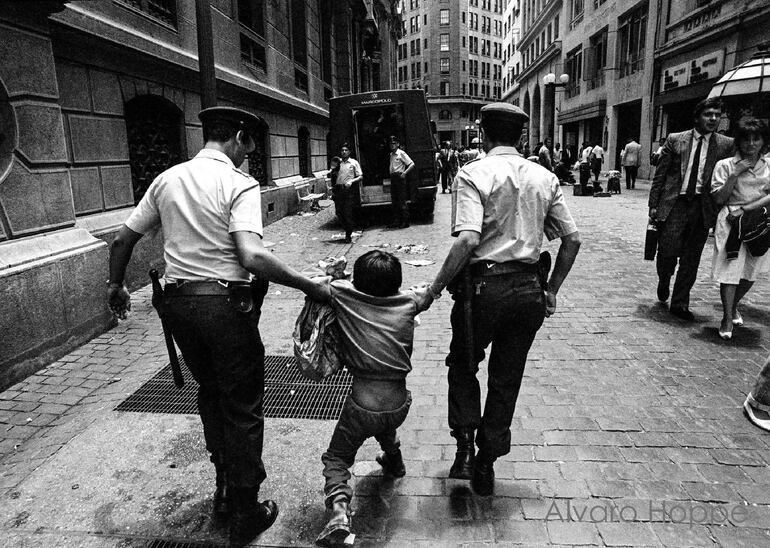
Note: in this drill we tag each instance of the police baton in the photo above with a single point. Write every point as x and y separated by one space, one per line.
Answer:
467 289
157 303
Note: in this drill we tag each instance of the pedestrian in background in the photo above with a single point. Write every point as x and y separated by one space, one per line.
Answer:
596 159
585 166
462 157
740 185
442 163
400 166
350 175
493 266
211 216
629 157
454 165
680 202
544 155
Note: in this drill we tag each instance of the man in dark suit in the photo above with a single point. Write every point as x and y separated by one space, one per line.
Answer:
680 202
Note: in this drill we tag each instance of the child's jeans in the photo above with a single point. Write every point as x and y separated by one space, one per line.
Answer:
354 427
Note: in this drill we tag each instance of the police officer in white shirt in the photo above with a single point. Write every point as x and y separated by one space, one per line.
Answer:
211 216
504 206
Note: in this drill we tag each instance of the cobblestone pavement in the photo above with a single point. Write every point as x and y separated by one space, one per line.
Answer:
628 430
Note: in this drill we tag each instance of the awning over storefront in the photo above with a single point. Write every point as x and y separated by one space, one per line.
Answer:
686 93
584 112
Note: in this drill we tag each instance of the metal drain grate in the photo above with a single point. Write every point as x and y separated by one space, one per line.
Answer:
288 395
160 543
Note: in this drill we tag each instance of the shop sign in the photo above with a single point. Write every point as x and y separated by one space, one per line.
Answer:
697 70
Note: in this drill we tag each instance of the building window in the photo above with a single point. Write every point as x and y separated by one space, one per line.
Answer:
444 64
252 24
445 115
576 13
596 60
631 40
155 129
303 146
327 24
162 10
444 88
574 67
299 32
443 42
443 19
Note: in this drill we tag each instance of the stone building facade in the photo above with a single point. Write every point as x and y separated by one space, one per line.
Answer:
453 50
97 98
636 68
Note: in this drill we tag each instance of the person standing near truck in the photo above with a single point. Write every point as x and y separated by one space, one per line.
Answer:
400 165
344 190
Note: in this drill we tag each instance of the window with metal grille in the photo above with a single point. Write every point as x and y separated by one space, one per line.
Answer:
444 64
162 10
303 145
443 17
444 88
155 129
632 28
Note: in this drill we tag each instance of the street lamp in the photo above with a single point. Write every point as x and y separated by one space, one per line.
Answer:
550 80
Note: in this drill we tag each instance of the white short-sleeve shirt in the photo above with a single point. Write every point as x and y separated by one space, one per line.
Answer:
511 202
199 203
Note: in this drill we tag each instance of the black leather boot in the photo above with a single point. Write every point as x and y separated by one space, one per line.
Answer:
462 468
337 528
483 480
249 517
221 495
392 464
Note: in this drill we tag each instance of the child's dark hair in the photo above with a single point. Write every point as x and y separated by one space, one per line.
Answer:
377 273
337 160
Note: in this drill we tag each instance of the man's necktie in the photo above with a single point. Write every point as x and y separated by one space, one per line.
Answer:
693 181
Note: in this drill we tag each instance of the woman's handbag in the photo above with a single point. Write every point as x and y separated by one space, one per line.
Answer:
754 230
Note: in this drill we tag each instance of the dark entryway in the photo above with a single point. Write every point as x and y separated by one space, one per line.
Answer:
629 122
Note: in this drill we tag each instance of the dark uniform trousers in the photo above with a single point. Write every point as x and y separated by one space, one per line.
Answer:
682 236
224 352
507 312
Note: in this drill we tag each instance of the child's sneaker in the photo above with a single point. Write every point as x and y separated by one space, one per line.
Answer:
392 464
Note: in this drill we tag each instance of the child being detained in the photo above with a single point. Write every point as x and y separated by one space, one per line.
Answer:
376 322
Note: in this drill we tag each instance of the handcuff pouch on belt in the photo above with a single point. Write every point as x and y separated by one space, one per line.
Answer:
241 296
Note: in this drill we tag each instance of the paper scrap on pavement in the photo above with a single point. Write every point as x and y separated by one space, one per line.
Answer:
419 262
412 248
267 243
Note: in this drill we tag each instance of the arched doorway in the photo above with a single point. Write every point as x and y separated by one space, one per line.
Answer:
155 128
534 120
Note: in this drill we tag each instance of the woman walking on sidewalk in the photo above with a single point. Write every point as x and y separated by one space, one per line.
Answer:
740 184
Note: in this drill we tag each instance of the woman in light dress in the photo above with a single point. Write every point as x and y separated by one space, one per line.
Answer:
739 184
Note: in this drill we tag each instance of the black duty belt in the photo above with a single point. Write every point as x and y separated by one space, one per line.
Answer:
489 268
212 288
